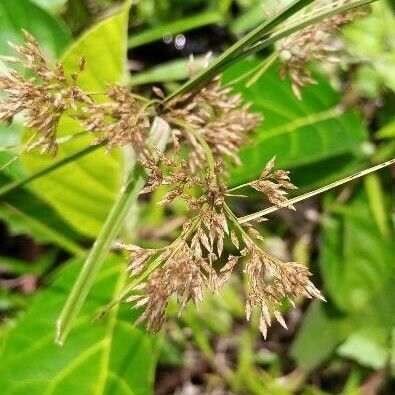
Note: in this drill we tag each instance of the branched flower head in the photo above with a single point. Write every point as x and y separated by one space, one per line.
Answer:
215 125
312 43
123 118
194 261
271 281
44 97
120 121
273 184
218 116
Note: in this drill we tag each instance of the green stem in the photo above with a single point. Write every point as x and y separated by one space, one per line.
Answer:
318 191
297 26
262 69
246 42
110 230
20 183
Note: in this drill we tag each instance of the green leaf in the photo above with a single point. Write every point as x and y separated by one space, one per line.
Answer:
25 213
368 346
83 191
356 261
318 336
299 133
387 131
50 31
110 357
371 39
375 194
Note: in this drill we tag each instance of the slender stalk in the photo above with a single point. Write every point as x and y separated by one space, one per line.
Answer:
297 26
247 41
262 69
308 195
20 183
128 195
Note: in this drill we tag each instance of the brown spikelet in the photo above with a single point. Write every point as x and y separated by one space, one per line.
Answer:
120 121
44 97
274 184
312 44
220 117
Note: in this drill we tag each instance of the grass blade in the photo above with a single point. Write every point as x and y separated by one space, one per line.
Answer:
246 42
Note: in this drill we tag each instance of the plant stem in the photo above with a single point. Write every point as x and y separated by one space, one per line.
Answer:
128 196
305 22
308 195
247 41
20 183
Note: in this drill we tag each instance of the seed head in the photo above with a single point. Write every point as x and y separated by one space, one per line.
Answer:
44 97
312 44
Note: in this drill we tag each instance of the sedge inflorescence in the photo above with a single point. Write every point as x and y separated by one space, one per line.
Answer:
44 93
313 43
208 129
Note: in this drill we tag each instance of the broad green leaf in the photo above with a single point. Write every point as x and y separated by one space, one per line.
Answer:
318 336
356 261
109 357
299 133
50 31
369 346
83 191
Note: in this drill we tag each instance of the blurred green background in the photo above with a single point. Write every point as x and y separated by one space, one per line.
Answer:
344 123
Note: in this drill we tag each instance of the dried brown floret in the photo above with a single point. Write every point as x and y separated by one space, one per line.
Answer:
220 119
312 44
120 121
183 274
270 281
44 97
273 184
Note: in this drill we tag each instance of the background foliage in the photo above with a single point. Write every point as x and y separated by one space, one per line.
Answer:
344 122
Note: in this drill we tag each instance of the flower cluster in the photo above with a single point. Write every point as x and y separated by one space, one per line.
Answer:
273 184
196 260
48 94
312 44
211 126
44 98
120 121
220 118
